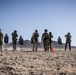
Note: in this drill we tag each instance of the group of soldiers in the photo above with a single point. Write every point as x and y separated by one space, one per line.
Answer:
46 40
14 40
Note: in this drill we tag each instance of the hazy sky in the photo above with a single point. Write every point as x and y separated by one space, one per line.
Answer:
58 16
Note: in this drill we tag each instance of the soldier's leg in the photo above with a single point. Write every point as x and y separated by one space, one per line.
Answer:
33 45
0 47
69 46
65 45
13 46
47 46
36 46
44 46
50 46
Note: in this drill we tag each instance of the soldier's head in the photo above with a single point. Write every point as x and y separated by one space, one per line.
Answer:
68 32
0 30
59 37
15 31
36 31
45 30
50 33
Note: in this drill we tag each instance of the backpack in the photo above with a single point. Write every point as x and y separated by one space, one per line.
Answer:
45 36
14 35
36 35
31 40
68 37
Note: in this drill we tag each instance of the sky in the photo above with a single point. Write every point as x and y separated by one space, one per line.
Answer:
57 16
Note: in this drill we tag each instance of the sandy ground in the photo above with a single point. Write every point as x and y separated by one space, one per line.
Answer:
26 62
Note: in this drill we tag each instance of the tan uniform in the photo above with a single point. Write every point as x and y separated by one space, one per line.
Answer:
14 40
45 39
68 41
1 40
35 41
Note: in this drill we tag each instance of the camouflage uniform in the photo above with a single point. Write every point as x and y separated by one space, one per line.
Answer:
68 41
50 39
35 40
14 39
1 40
45 39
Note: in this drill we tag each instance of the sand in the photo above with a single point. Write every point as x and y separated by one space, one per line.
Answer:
26 62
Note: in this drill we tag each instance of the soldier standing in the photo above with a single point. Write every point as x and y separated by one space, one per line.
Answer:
14 39
68 41
1 40
45 40
50 39
35 40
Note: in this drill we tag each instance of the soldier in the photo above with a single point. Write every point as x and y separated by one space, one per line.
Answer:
59 40
50 39
68 41
1 40
14 39
6 40
35 40
21 41
45 40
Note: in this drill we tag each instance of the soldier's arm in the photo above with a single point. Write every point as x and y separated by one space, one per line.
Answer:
17 35
42 38
70 36
38 34
33 35
52 36
2 35
65 35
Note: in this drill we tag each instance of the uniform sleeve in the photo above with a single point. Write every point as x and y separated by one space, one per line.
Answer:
42 37
2 35
38 34
17 35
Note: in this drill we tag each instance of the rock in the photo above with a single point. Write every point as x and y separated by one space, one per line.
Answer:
31 73
34 58
1 54
62 73
42 73
31 67
8 68
56 57
47 58
58 68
